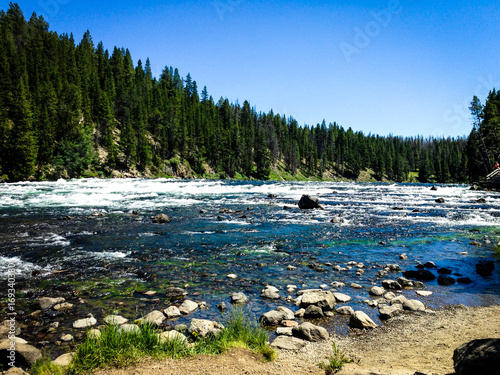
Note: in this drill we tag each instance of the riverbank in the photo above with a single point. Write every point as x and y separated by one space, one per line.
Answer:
422 342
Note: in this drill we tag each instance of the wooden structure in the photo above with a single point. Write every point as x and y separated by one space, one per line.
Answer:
493 179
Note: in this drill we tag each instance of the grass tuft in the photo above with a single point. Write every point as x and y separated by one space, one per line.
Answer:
44 366
336 362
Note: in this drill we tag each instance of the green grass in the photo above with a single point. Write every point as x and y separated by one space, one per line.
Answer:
336 362
119 349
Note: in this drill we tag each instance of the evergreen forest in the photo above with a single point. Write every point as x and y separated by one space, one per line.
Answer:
71 110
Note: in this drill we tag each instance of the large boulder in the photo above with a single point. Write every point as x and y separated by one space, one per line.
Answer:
421 274
188 307
24 355
477 357
204 328
307 202
360 320
275 317
310 332
388 312
323 299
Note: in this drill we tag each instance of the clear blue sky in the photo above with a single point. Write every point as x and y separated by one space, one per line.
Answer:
402 67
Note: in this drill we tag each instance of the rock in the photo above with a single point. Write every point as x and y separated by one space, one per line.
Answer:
284 331
360 320
309 332
171 336
446 280
5 328
221 307
403 256
66 338
204 328
405 283
444 271
481 200
175 292
393 267
307 202
270 292
485 268
422 275
47 302
424 293
430 264
115 320
388 312
271 196
64 360
25 354
316 267
337 284
160 219
15 370
413 305
439 200
172 312
84 323
399 300
291 268
323 299
288 343
154 317
289 323
377 291
95 333
239 299
129 328
475 243
187 307
313 312
434 188
464 280
477 357
391 285
232 276
150 293
356 286
344 310
274 318
389 296
341 297
300 313
337 220
288 314
63 306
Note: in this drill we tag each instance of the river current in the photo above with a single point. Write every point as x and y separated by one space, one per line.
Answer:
94 240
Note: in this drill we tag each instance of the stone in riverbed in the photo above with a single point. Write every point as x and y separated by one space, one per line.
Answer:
310 332
325 300
421 274
424 293
341 297
313 312
275 317
175 292
64 360
239 299
154 317
413 305
477 357
63 306
66 338
115 320
84 323
270 292
47 302
377 291
344 310
485 268
446 280
360 320
391 285
127 328
172 312
464 280
388 312
188 307
204 328
161 219
307 202
288 343
25 354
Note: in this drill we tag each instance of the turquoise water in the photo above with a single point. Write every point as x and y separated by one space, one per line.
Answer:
81 239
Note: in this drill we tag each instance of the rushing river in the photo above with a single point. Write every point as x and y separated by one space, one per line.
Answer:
94 240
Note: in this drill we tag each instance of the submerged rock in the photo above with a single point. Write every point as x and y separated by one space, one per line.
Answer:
161 219
485 268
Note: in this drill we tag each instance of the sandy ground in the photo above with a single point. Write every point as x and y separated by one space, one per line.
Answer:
422 342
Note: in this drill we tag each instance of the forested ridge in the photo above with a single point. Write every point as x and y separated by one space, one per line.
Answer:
73 110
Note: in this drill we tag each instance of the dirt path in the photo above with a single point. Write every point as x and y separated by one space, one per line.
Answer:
419 342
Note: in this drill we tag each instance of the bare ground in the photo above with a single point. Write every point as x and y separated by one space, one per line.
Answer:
422 342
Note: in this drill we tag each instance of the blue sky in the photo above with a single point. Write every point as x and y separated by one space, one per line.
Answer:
383 67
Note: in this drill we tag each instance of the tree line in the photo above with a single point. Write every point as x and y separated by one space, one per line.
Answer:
76 110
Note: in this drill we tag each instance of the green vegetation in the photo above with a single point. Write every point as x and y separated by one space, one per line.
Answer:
336 362
79 110
120 349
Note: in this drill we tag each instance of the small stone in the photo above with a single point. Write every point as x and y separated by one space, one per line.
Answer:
291 268
63 306
161 219
115 320
93 333
360 320
270 292
221 307
129 328
413 305
239 299
337 284
388 312
232 276
345 310
424 293
289 323
403 256
340 297
172 312
288 343
66 338
313 312
284 331
154 317
446 280
204 328
64 360
150 293
47 302
188 307
356 286
377 291
84 323
171 336
310 332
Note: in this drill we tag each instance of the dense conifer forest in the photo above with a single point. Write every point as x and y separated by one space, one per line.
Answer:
73 110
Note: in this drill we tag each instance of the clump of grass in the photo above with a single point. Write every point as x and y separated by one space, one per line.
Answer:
44 366
116 348
336 362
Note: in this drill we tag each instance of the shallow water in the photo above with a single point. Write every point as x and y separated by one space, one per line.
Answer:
105 254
